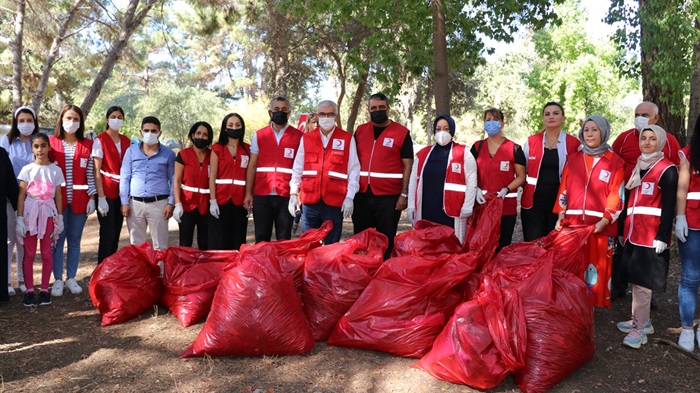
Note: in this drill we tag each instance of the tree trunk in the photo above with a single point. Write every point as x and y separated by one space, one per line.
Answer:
17 56
343 78
441 80
129 25
694 110
357 101
38 95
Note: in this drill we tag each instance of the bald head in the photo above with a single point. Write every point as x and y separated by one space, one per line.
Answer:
649 110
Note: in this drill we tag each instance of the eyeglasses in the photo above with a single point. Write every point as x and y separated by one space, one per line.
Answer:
323 114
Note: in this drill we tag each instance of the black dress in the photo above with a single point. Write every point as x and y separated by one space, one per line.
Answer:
8 191
434 172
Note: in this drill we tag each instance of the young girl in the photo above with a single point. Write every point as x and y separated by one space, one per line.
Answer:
39 216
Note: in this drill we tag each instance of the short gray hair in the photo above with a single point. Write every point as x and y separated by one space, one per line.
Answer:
280 98
328 103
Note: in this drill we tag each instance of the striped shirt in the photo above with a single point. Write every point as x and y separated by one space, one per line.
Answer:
70 153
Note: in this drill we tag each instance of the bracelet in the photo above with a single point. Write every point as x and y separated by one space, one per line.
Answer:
404 195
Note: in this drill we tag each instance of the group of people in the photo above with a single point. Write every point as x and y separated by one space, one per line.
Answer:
628 191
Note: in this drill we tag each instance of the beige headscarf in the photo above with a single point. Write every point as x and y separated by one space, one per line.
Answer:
645 161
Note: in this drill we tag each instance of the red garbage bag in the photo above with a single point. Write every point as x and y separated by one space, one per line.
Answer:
126 284
483 341
484 229
291 254
405 306
191 277
428 238
568 247
256 311
335 275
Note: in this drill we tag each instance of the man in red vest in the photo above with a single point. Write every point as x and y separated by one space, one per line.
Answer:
272 153
626 145
326 174
385 151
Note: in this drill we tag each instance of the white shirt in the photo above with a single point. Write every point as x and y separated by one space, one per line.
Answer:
254 148
353 167
97 151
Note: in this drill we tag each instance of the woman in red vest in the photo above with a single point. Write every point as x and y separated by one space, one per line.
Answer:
191 186
443 181
647 233
72 152
688 233
589 194
546 154
108 150
500 167
228 223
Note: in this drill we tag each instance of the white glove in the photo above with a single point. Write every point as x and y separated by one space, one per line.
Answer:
411 214
480 196
659 246
177 212
294 205
90 207
347 208
20 228
102 206
504 191
465 212
213 208
59 224
681 227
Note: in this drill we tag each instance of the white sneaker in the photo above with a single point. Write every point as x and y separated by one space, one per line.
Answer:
687 340
11 290
73 286
57 288
22 287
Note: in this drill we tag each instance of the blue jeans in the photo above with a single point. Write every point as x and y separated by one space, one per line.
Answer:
690 277
73 225
313 216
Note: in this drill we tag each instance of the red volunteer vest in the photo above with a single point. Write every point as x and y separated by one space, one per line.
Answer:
692 204
230 174
380 161
535 144
644 207
627 146
83 149
275 160
325 175
111 163
195 181
494 173
455 179
586 200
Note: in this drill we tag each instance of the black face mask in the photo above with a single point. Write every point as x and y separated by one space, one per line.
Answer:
200 143
279 118
236 133
378 117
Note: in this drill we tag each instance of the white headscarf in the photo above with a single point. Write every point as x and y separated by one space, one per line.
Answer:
645 161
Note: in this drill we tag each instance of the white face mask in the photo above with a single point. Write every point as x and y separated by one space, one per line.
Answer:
442 138
115 124
25 129
71 126
640 122
326 123
149 138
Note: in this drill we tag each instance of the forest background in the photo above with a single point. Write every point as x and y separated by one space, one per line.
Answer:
186 61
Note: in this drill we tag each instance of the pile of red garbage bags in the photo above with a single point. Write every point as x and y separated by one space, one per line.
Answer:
471 318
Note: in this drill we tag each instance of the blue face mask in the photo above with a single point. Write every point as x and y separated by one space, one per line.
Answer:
492 127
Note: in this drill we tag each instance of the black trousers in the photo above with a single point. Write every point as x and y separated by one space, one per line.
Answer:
228 231
272 210
507 227
537 222
110 229
188 222
377 211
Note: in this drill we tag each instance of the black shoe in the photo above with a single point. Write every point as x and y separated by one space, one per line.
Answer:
617 294
44 298
29 299
654 304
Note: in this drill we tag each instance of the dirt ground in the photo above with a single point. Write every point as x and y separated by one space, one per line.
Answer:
62 347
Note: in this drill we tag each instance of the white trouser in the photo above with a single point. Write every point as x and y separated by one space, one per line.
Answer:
11 243
148 216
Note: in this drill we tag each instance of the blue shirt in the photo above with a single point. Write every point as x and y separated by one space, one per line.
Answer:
143 176
20 153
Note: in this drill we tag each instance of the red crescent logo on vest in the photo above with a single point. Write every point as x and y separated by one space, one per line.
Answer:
338 144
647 188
